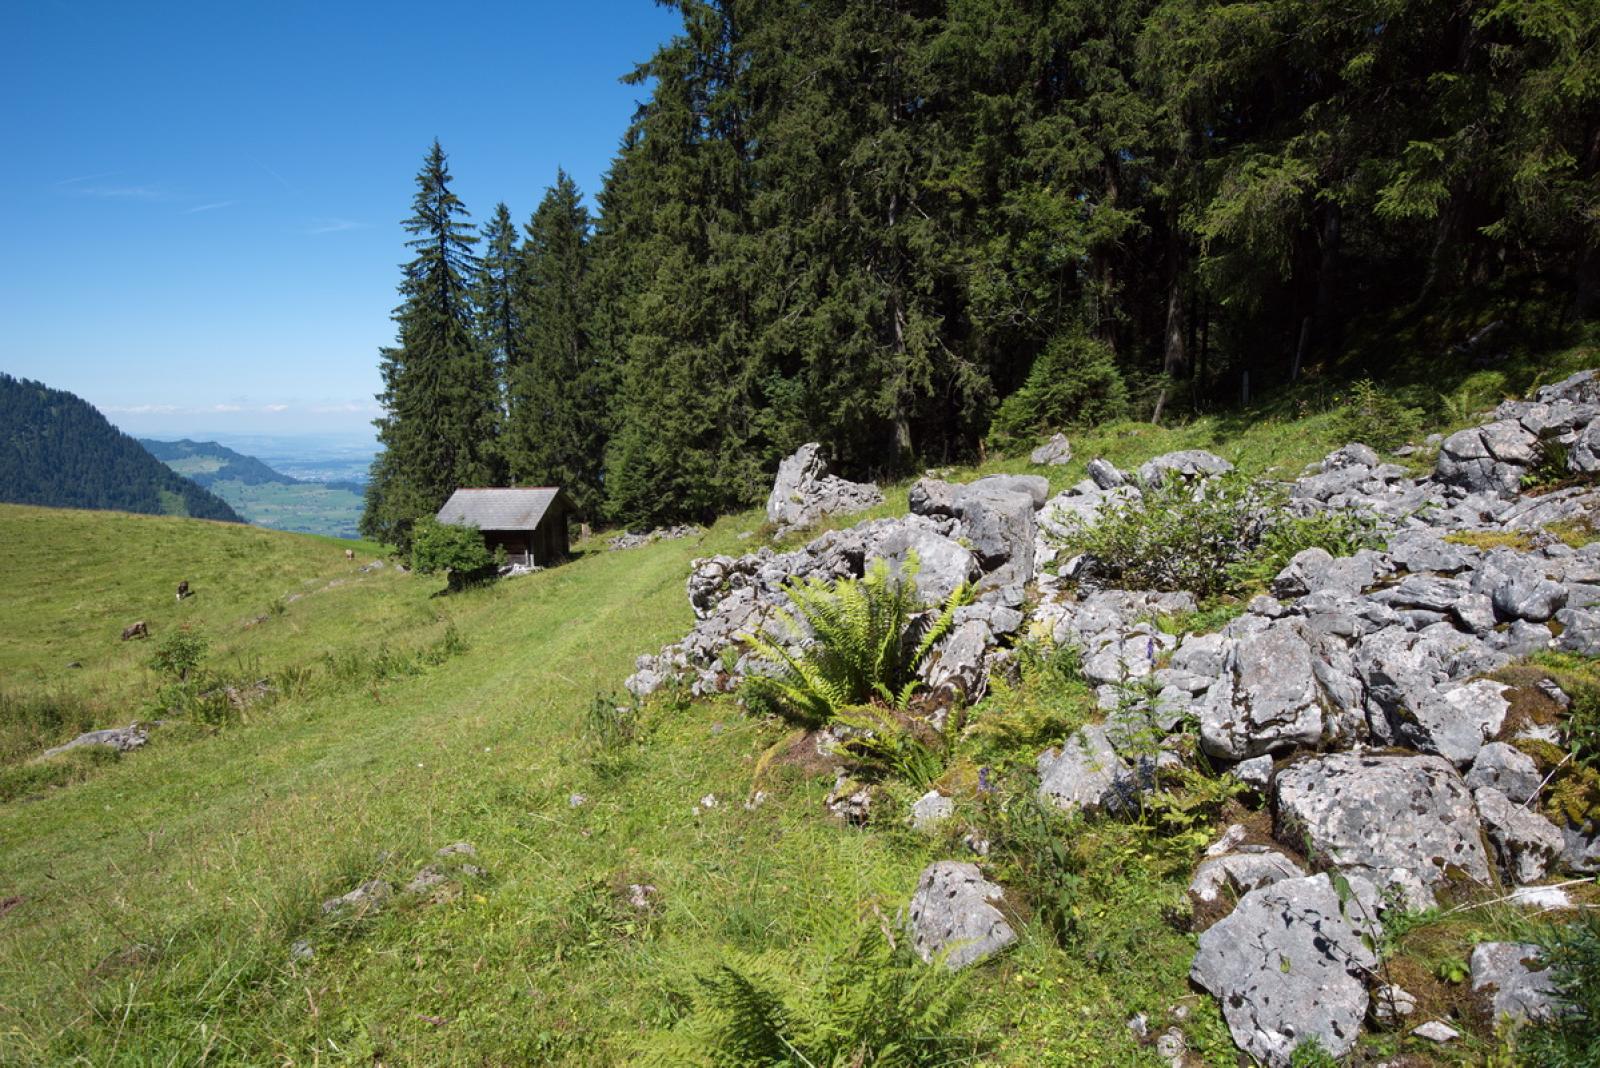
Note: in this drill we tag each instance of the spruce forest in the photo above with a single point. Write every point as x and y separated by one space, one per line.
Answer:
917 231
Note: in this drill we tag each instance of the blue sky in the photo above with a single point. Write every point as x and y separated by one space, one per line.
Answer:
204 199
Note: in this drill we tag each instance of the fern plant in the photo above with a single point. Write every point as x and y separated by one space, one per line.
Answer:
873 1005
860 640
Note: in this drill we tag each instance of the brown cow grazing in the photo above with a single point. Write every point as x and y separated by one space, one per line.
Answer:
350 554
140 629
183 589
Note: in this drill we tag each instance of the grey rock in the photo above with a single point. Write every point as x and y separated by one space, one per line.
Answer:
1580 631
1522 638
1456 722
1070 512
1581 848
1424 550
1528 595
364 898
1391 1003
956 664
1583 457
930 810
1400 820
1285 966
1527 844
1241 872
1487 459
122 739
1507 769
457 849
803 492
1255 772
1189 464
933 496
1436 1031
1083 773
1036 487
1509 973
426 880
1268 697
953 917
1352 455
1056 451
1475 612
1429 592
849 800
1105 474
1579 388
301 949
999 523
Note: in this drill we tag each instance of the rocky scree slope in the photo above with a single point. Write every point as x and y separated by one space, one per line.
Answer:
1354 698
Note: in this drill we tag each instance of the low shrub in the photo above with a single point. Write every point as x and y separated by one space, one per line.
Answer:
1376 417
861 640
1178 536
1572 1038
1224 536
1342 532
1074 381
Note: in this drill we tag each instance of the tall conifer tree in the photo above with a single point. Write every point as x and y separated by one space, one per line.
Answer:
496 293
555 434
439 397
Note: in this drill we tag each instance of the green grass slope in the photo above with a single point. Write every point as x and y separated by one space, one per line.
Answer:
151 906
154 905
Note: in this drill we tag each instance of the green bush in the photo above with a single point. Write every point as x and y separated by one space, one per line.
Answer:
180 653
1341 533
1072 382
1178 536
1224 536
1573 1037
444 547
1372 416
866 642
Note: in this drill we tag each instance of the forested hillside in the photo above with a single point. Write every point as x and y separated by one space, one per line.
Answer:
263 496
207 462
56 449
914 231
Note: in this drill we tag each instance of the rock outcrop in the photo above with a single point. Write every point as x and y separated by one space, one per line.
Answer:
804 493
1362 702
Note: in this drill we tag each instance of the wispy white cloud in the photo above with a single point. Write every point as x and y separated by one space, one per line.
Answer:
198 208
347 406
274 407
335 226
142 409
120 192
87 178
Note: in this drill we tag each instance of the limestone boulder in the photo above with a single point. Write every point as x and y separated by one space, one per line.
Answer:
1286 966
953 916
1401 821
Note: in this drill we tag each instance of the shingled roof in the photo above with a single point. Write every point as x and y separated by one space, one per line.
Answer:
498 509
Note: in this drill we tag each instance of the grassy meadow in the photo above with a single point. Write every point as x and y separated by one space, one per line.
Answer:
164 907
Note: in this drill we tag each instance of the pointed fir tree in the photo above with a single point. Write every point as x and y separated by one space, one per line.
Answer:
495 295
555 433
439 398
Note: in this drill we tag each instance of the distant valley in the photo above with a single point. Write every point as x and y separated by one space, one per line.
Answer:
308 502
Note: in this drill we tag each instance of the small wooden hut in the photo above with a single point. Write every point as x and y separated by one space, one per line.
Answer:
529 524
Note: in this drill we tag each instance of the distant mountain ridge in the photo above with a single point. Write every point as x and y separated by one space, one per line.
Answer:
57 450
207 462
261 494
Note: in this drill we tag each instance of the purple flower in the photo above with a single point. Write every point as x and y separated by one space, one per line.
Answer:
984 785
1150 648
